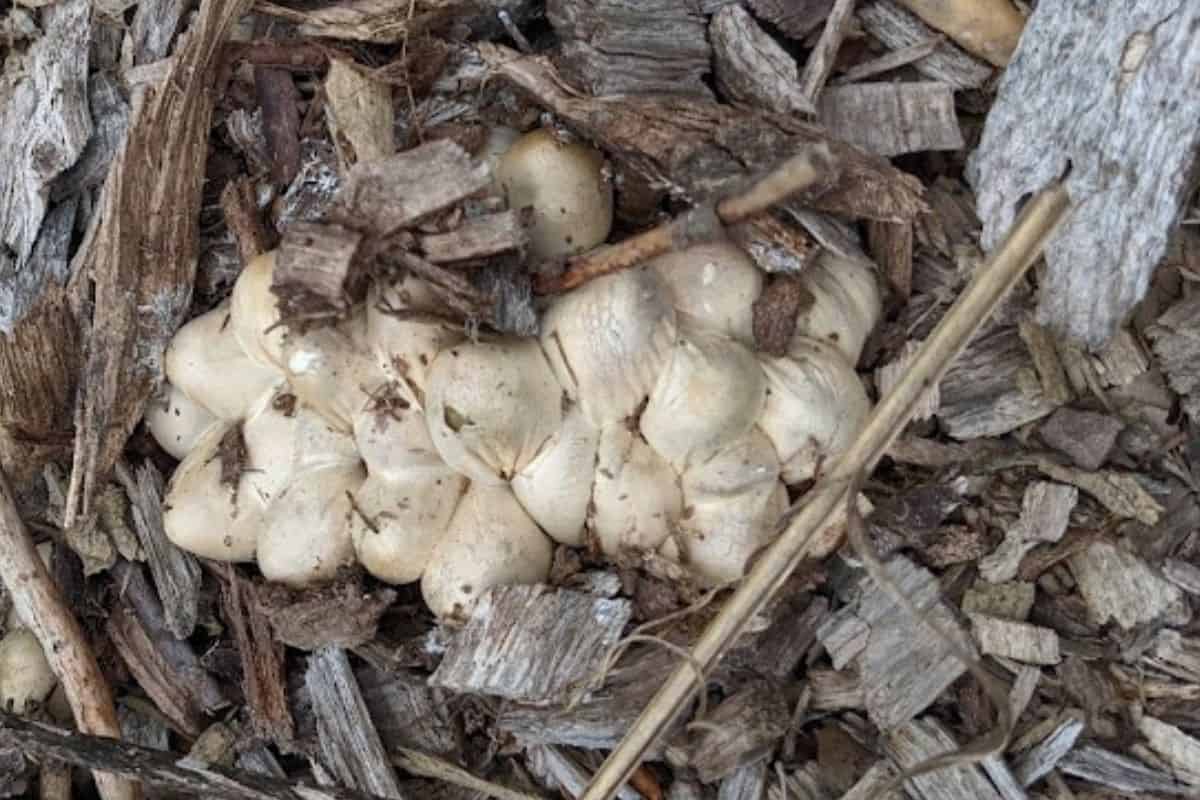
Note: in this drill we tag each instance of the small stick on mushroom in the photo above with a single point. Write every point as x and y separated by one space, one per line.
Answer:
42 609
805 170
806 529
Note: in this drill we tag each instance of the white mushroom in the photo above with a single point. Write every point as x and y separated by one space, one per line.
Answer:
713 286
608 341
405 341
815 405
491 407
710 394
846 304
556 486
491 541
732 503
396 445
206 363
255 313
26 679
565 185
305 538
636 500
176 422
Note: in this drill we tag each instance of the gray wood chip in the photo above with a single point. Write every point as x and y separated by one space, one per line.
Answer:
1180 751
921 739
750 67
1085 437
898 27
1095 764
892 118
1118 585
1028 644
1036 762
748 783
1009 600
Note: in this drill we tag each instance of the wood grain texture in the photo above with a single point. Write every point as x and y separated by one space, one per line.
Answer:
1109 90
897 27
891 119
750 67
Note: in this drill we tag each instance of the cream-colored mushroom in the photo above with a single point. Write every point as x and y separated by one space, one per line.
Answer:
815 405
565 185
491 541
175 421
205 515
404 340
608 341
636 500
556 486
846 304
712 286
26 679
492 406
710 394
255 313
732 501
206 362
305 538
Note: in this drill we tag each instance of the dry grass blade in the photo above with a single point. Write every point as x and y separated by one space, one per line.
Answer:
807 532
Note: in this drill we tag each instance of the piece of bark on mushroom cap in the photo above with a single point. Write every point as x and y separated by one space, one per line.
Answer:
490 541
608 341
712 285
555 488
175 421
636 499
492 406
815 405
846 304
565 185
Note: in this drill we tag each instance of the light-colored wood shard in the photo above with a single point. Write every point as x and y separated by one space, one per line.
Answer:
1184 575
360 114
1180 751
748 783
1045 512
922 739
1119 772
1036 762
1118 585
892 118
1119 492
1029 644
844 637
889 374
897 27
750 67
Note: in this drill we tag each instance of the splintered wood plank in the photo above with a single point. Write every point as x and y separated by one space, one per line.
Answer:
1122 773
750 67
532 644
897 27
922 739
1118 585
350 745
892 118
1109 90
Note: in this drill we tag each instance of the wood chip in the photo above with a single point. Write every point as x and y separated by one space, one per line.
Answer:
409 713
375 21
834 691
748 783
872 783
342 614
628 47
898 28
350 745
751 68
921 739
477 237
1028 644
779 649
824 54
262 661
560 771
891 245
1085 437
1124 774
775 313
1176 748
796 18
892 118
360 114
279 100
890 61
533 644
1184 575
1175 337
1119 492
1119 586
1077 92
1050 371
1009 600
1036 762
745 727
774 245
844 636
313 277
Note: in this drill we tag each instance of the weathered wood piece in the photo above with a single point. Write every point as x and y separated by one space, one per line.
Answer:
312 279
1118 585
374 21
892 60
1175 337
775 245
533 644
986 28
751 68
889 374
110 121
359 112
350 745
1028 644
1180 751
706 151
154 26
922 739
476 237
1119 772
143 282
559 771
1045 512
1184 575
988 392
892 118
872 783
1037 762
775 313
417 763
262 658
167 771
821 59
1008 600
632 46
833 690
745 728
341 614
44 114
748 783
779 649
176 572
795 18
1119 492
408 712
1086 437
897 27
1078 91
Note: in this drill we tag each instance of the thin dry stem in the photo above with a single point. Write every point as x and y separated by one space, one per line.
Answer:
808 530
427 766
42 609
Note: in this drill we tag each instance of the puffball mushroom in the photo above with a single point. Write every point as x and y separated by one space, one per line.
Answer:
25 676
556 486
565 185
331 371
846 304
491 541
176 422
406 341
712 286
255 312
636 499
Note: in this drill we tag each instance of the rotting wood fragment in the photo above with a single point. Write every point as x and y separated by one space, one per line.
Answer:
1078 92
892 118
313 277
279 100
533 644
240 208
898 27
891 245
350 745
1118 585
750 67
1122 773
775 245
1036 762
359 112
262 661
744 728
922 739
477 237
775 313
341 614
622 47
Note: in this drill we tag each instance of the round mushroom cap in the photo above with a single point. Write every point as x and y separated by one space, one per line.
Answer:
255 313
204 514
712 286
305 538
608 341
733 502
396 445
492 406
636 500
206 362
815 405
176 422
26 679
846 304
491 541
555 488
405 342
565 185
396 524
710 394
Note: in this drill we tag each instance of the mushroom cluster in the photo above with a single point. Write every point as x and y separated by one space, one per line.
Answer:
641 418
